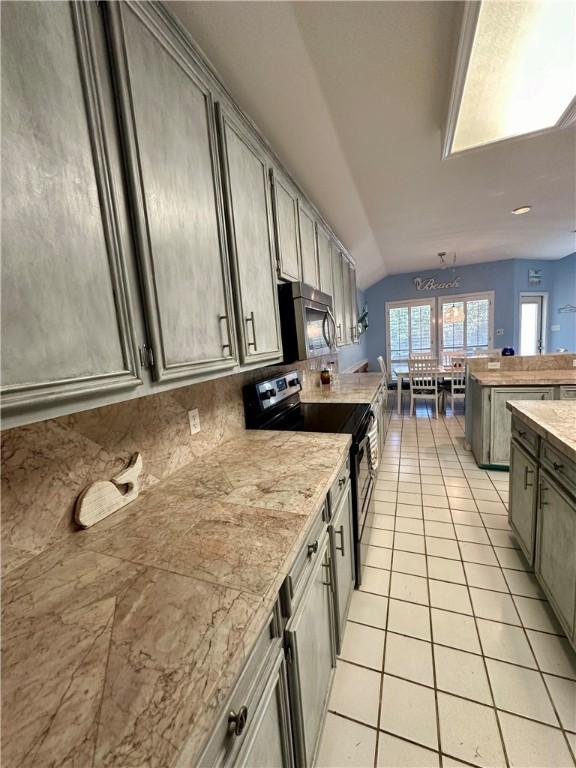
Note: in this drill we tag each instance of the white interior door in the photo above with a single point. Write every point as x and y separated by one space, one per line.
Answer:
531 324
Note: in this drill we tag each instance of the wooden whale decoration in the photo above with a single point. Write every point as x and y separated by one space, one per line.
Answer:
104 497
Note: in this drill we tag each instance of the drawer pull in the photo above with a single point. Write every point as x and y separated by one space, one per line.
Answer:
527 472
558 467
342 482
340 531
239 720
542 502
313 548
521 433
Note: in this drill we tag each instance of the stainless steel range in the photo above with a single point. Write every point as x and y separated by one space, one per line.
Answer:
275 404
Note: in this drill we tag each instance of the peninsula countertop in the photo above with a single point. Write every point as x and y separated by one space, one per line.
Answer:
553 420
346 388
122 643
552 377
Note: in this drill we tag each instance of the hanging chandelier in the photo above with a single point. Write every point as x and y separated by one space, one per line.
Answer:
455 313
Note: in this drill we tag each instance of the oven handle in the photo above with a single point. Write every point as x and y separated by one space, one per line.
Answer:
326 339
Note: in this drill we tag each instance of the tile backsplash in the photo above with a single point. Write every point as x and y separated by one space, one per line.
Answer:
46 465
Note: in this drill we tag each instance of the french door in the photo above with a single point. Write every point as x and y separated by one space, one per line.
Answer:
532 308
410 328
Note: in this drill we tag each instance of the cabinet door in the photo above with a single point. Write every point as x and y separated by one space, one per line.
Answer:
324 260
286 227
555 548
269 741
342 546
308 246
523 496
347 293
173 171
500 417
353 304
66 324
338 293
251 242
309 639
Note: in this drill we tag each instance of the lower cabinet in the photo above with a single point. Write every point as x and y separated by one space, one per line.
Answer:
523 498
500 418
342 551
555 551
310 650
269 743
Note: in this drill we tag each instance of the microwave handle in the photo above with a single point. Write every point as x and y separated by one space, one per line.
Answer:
333 340
324 333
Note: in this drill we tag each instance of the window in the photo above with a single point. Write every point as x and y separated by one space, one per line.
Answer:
466 322
409 329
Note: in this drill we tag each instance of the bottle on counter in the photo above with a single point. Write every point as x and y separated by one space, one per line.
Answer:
325 376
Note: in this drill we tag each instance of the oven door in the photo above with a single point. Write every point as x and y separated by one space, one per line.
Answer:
364 483
316 329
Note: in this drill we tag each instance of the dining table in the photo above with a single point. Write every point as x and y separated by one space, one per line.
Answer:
401 373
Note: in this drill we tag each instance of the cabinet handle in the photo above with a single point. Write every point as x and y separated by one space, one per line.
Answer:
521 434
340 531
542 502
339 326
558 467
342 482
527 472
250 319
329 575
238 719
313 548
220 319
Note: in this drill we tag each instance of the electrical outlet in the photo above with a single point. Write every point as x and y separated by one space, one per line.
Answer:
499 331
554 327
194 419
493 366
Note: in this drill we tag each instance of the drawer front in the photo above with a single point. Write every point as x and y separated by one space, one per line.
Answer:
560 467
567 393
293 585
525 436
228 736
338 487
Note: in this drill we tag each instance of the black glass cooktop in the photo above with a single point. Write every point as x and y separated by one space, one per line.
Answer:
341 418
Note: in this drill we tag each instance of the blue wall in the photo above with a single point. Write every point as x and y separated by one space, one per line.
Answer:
354 353
506 278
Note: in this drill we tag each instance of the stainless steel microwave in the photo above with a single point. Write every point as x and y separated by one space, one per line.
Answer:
307 321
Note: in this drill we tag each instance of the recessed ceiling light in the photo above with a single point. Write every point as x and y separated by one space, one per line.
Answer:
515 72
522 209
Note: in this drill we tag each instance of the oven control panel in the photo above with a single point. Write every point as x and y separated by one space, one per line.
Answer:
275 390
263 398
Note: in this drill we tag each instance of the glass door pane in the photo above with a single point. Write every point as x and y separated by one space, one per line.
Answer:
531 325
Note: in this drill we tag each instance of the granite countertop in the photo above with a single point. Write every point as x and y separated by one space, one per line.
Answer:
347 388
122 644
553 420
534 378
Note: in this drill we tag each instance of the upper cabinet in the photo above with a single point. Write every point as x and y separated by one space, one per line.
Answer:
347 291
324 259
338 294
172 159
353 303
250 231
285 201
308 245
67 327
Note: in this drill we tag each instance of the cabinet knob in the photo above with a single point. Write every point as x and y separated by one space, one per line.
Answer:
313 548
238 720
342 481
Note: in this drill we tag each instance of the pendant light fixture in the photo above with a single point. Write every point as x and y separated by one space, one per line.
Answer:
455 313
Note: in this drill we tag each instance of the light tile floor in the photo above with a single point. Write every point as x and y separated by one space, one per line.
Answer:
451 655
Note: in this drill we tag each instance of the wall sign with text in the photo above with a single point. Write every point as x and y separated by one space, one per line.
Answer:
431 284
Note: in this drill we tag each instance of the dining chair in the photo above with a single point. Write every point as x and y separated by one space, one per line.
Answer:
419 355
423 373
391 386
457 389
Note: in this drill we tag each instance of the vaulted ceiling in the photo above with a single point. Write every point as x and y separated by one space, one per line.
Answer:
353 97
